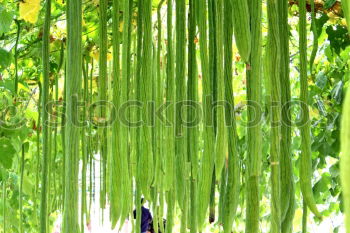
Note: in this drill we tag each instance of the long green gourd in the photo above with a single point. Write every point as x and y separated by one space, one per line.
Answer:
287 181
212 51
180 77
73 79
54 151
102 91
56 188
305 157
133 113
192 90
254 112
138 71
38 148
158 132
159 96
130 158
207 164
63 135
49 160
138 114
272 66
90 151
157 99
212 40
221 134
115 194
170 98
231 195
170 130
212 55
154 120
84 149
345 139
45 118
124 134
241 26
146 157
192 93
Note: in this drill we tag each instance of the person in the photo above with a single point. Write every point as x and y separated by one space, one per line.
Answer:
146 218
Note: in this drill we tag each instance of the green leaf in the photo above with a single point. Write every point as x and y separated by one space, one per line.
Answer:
337 92
321 80
5 58
334 170
320 22
323 184
7 151
321 107
329 3
8 84
6 21
338 37
329 54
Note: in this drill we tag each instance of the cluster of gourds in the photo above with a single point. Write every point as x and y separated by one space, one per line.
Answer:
173 165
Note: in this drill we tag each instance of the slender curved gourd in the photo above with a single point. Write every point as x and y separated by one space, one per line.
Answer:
73 83
146 156
221 131
170 98
192 137
241 27
207 165
115 194
180 77
231 192
45 118
159 96
124 131
254 133
305 171
272 68
287 181
102 93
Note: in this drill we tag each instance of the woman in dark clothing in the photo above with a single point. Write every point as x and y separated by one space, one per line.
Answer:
146 219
